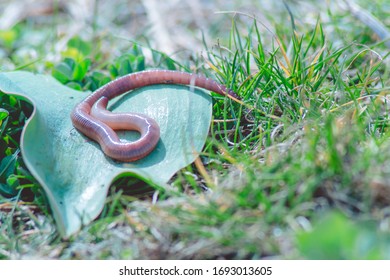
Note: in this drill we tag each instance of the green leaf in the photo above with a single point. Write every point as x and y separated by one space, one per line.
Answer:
140 62
6 191
3 120
83 47
7 166
73 170
63 72
3 114
125 67
74 85
8 37
81 69
97 80
7 170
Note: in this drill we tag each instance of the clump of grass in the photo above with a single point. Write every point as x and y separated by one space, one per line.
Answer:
310 135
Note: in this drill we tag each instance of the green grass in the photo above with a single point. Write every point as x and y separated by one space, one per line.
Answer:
300 169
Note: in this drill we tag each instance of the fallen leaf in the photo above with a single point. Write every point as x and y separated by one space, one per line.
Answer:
73 170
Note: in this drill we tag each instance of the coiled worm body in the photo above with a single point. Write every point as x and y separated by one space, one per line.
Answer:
92 118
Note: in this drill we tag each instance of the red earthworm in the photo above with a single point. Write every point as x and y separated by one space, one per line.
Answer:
92 119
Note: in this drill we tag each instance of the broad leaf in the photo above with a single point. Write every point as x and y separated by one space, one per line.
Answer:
73 170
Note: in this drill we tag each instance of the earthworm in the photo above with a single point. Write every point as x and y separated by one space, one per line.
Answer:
92 118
